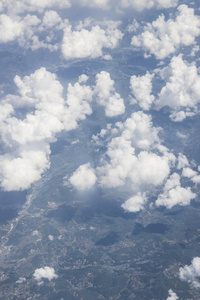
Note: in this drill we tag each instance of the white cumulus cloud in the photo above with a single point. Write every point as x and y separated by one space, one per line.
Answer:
182 84
193 175
188 172
28 31
78 102
174 193
20 172
141 87
135 203
162 38
140 131
191 273
17 28
45 273
28 137
130 159
106 95
89 43
83 178
182 161
51 19
182 89
172 295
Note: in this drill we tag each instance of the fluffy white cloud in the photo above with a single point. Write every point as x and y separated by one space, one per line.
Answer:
27 30
46 113
188 172
179 116
106 95
83 178
141 88
182 84
140 131
193 175
38 92
83 78
125 166
172 295
51 19
174 194
9 29
195 50
6 110
79 42
151 169
17 28
182 161
21 172
46 273
182 89
135 203
191 273
79 98
162 38
85 43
